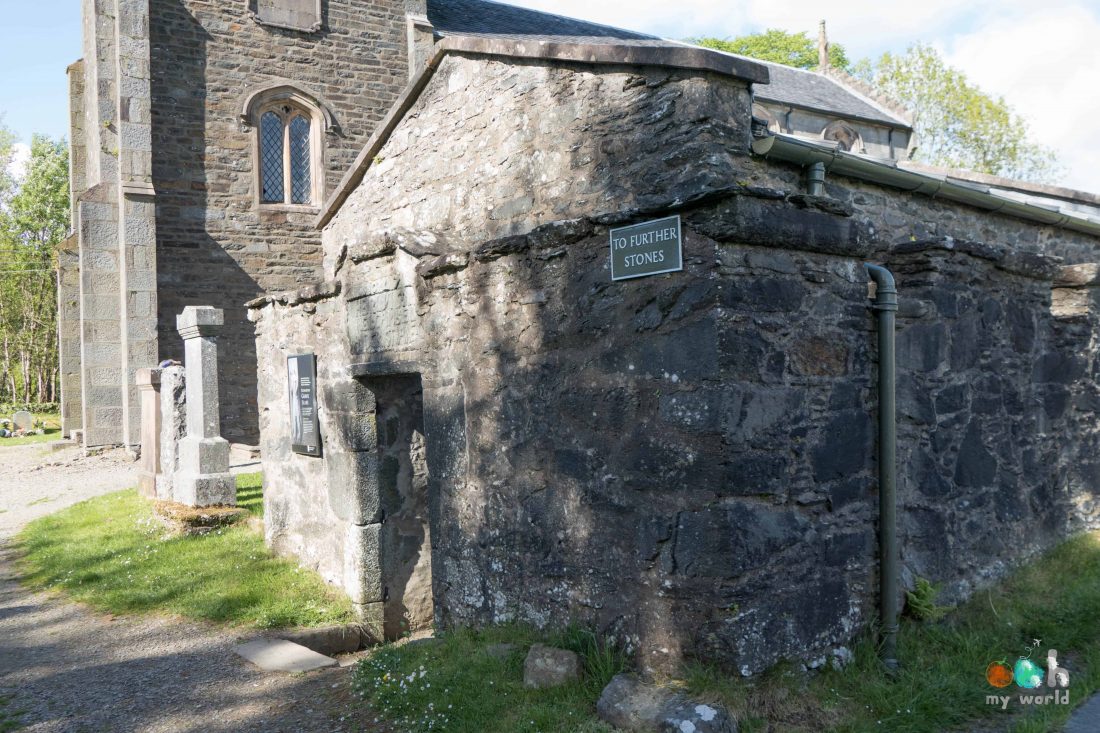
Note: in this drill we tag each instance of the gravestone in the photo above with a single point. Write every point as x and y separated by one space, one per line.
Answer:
202 477
148 384
173 410
23 420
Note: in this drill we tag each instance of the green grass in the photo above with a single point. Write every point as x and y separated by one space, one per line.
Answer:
250 493
52 427
9 719
942 683
455 684
114 555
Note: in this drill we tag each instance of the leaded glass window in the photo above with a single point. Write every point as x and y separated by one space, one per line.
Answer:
300 183
271 158
287 156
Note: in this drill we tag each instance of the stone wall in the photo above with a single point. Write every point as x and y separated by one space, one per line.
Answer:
215 245
685 461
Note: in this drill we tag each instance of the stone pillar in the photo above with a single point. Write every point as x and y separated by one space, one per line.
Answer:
203 477
68 335
100 324
148 384
173 417
137 227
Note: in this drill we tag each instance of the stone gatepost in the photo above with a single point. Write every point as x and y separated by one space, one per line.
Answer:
203 477
352 469
148 384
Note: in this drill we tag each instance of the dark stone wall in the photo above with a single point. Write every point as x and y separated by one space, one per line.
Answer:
687 461
214 245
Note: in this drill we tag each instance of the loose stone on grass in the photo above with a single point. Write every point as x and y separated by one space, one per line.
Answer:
549 667
629 704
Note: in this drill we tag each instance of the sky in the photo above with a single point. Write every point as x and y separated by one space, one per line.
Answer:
1043 58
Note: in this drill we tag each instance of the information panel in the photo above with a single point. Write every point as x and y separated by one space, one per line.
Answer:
305 438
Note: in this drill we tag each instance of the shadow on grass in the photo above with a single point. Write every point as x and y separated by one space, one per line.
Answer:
250 493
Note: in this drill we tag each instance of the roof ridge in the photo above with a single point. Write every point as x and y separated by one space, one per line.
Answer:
567 18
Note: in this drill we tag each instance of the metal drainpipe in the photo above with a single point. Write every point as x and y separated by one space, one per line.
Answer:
885 305
815 179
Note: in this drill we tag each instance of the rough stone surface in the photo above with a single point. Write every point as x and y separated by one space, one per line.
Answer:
632 705
173 410
685 462
546 666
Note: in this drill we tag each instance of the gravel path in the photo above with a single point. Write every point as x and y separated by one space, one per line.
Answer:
69 669
36 481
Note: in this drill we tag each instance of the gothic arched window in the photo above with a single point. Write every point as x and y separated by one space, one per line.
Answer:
288 152
289 126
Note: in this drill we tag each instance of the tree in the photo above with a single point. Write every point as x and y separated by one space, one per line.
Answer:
7 151
957 124
34 219
780 47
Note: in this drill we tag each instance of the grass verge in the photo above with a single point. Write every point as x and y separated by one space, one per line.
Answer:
942 684
464 682
459 684
113 554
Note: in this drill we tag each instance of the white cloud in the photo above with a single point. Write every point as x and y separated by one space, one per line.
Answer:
1045 64
21 154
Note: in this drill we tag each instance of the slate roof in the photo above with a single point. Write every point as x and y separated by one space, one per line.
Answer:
483 18
487 19
803 88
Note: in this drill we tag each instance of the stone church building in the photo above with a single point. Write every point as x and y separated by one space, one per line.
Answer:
423 200
206 136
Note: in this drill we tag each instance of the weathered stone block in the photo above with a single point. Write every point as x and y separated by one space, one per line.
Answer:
631 705
724 541
362 564
353 488
845 446
546 667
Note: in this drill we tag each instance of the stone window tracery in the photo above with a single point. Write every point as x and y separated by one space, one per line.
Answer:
289 126
286 156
